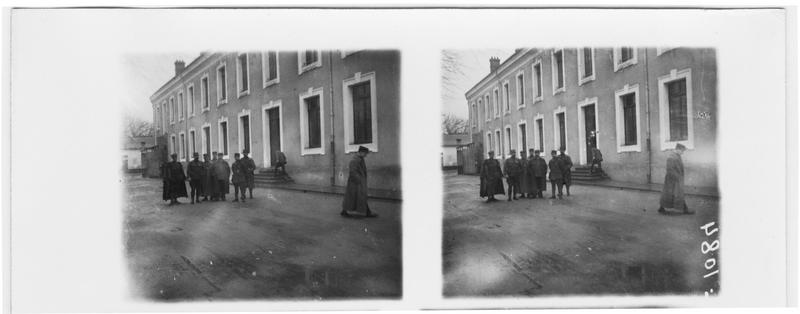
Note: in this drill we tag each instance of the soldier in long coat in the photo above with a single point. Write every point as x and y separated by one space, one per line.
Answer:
529 179
538 167
209 183
556 166
249 166
176 179
672 196
491 178
524 183
238 178
197 177
222 173
567 169
513 172
355 196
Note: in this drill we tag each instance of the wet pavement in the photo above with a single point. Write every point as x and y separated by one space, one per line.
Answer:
280 245
597 241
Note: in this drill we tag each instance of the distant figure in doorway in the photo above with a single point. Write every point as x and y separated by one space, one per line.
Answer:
355 196
672 196
524 183
175 179
209 185
197 177
222 173
567 164
513 171
238 178
249 166
556 166
597 159
539 168
491 178
280 162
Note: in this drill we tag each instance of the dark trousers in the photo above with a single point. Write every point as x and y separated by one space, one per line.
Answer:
221 185
237 187
557 183
281 165
513 186
541 186
197 189
599 166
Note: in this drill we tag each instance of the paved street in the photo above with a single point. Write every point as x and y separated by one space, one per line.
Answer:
283 244
597 241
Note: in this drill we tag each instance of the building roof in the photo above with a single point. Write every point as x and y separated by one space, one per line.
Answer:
518 53
452 139
191 66
136 142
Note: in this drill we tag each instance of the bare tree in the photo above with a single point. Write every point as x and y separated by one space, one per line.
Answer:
452 124
134 127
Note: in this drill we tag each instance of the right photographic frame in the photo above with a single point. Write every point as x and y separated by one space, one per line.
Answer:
580 171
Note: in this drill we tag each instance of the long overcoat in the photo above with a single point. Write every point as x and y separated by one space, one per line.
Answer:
566 164
177 180
539 169
249 166
222 173
556 165
355 195
210 186
238 169
491 178
524 182
672 196
197 176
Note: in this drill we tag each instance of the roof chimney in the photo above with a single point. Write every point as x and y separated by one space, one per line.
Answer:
494 63
179 67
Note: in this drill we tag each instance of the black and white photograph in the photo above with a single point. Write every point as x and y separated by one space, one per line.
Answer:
580 170
263 175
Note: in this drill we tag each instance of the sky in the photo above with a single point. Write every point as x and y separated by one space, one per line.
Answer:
144 74
473 66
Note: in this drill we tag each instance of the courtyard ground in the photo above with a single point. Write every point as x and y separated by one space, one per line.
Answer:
598 241
281 245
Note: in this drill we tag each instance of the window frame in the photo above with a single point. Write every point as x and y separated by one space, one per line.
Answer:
489 144
192 140
347 101
265 69
265 129
620 118
556 131
190 104
520 89
240 130
226 140
537 136
203 138
205 94
581 67
171 103
538 86
180 105
617 54
496 102
308 67
508 134
506 95
239 75
304 150
486 107
520 142
583 154
498 139
553 65
182 153
221 84
663 102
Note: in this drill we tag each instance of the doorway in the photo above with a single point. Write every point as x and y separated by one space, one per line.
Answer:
274 133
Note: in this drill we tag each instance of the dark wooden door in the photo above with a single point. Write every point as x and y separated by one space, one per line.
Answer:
274 133
590 129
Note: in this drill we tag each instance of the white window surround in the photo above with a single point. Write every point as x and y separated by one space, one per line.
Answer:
537 81
583 154
508 136
171 110
205 94
488 147
181 146
496 102
519 135
190 100
300 58
620 117
621 65
539 117
556 143
181 107
486 107
220 143
173 141
473 114
265 129
304 150
662 50
222 85
240 129
192 142
498 140
203 139
347 101
265 71
673 75
520 90
584 80
553 68
241 93
506 97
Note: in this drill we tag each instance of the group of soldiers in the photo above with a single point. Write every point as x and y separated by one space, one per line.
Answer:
526 176
209 179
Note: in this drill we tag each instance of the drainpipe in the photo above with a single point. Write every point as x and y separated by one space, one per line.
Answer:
647 114
333 129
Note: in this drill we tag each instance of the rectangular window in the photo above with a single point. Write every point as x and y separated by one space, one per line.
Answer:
540 134
486 107
624 57
310 57
585 65
562 130
244 74
506 97
558 70
180 106
499 143
496 102
182 149
307 60
192 142
625 54
629 119
171 110
537 76
204 92
314 123
362 113
678 116
222 89
223 138
270 67
173 145
508 141
523 137
164 112
521 90
190 99
489 144
587 62
207 140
